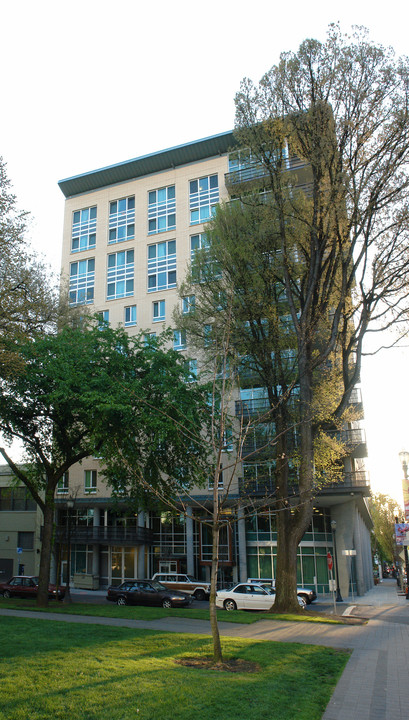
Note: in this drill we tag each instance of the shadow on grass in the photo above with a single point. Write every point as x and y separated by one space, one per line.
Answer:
101 673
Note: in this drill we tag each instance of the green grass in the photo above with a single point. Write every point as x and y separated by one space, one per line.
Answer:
51 669
152 613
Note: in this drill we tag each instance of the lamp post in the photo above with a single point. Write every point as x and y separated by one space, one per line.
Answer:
334 528
404 459
67 596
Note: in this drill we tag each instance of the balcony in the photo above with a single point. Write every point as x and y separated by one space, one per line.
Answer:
354 440
349 482
110 535
257 175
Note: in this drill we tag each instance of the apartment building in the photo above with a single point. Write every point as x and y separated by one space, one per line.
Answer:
130 231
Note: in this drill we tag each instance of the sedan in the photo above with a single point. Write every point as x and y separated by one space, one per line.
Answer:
248 596
27 586
147 592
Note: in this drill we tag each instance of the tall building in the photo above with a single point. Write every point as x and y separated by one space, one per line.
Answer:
129 234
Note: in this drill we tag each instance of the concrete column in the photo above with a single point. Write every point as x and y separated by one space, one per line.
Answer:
95 547
343 514
190 558
141 569
241 530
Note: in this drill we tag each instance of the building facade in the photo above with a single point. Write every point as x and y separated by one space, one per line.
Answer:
20 528
130 231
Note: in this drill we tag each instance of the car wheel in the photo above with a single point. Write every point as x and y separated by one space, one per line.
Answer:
200 595
166 603
302 601
304 598
6 594
121 601
229 605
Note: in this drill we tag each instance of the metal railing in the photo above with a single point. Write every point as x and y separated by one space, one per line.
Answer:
109 535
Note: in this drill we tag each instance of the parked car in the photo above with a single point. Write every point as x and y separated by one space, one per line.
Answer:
27 586
184 583
146 592
305 593
245 596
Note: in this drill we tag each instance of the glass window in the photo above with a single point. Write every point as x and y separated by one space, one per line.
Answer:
203 198
90 481
188 304
82 281
103 318
158 310
179 339
84 226
130 315
161 209
25 540
162 266
122 220
63 485
120 276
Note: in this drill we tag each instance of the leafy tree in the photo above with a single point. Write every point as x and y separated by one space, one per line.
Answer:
28 297
314 249
90 390
384 511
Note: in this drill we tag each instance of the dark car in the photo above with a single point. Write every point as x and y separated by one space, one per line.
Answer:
27 586
147 592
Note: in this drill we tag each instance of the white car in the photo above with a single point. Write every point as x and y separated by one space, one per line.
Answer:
247 596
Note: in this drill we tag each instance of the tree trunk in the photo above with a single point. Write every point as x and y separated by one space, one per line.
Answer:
217 648
46 547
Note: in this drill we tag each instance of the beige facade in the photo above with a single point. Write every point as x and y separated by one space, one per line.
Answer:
111 547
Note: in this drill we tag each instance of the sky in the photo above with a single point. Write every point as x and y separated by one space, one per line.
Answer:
92 83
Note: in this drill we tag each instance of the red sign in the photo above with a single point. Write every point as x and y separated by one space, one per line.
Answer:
329 561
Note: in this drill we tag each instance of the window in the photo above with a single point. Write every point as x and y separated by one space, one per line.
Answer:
161 209
162 266
62 485
103 318
82 281
149 337
158 310
84 226
120 274
210 269
16 499
198 242
188 304
192 369
90 485
203 198
130 315
25 540
179 339
220 483
122 220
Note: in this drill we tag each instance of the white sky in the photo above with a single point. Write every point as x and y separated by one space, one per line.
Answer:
92 83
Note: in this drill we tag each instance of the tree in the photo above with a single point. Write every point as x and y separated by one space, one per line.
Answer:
28 296
384 511
314 248
93 390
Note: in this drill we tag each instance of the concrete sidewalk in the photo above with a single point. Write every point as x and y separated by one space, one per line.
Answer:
374 684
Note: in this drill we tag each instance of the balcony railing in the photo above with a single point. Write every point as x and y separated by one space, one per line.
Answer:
110 535
347 482
257 171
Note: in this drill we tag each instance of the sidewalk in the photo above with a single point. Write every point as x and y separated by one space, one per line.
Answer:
375 682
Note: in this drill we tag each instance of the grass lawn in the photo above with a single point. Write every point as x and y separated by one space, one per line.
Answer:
66 671
152 613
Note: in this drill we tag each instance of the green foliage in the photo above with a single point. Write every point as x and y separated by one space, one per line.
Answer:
91 390
384 510
113 673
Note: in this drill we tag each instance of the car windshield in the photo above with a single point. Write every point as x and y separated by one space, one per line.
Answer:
191 578
157 585
35 580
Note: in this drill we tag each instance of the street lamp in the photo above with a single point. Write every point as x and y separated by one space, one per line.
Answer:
404 459
333 528
67 596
